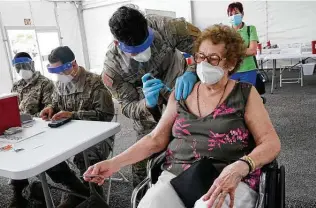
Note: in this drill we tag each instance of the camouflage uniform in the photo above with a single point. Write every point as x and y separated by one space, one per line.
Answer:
87 100
122 75
34 94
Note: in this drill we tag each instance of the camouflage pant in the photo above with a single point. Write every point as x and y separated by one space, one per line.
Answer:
139 172
95 154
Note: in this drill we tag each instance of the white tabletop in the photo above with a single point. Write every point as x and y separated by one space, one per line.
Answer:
285 56
53 146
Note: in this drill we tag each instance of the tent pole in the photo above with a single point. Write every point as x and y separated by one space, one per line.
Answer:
57 24
6 47
267 21
83 35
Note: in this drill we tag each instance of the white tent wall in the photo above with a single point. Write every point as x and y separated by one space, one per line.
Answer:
41 14
98 33
281 22
291 21
207 13
97 15
70 31
14 12
278 21
5 78
182 8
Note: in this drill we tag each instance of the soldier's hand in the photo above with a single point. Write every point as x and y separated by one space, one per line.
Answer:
62 115
185 84
100 171
151 89
47 113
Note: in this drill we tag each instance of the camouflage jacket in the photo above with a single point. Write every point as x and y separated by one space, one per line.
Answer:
35 94
122 75
89 101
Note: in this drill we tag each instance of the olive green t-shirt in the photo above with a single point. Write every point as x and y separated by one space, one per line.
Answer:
248 63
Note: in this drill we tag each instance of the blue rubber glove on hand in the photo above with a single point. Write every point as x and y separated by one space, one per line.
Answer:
151 89
184 85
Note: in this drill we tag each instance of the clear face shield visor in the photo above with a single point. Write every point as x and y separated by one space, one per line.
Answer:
22 63
61 73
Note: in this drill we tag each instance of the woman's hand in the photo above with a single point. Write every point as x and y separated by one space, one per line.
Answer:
226 183
100 171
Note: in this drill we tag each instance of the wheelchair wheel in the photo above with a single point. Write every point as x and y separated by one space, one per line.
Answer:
282 186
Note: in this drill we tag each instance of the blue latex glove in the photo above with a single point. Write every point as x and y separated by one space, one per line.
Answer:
184 85
151 89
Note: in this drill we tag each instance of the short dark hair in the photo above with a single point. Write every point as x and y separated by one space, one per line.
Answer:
128 25
22 54
235 5
62 53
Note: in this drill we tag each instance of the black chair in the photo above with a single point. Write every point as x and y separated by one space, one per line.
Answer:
273 188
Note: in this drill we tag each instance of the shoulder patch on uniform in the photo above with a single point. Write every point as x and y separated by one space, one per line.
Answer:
108 81
193 30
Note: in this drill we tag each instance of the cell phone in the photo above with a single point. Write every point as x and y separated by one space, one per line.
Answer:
58 123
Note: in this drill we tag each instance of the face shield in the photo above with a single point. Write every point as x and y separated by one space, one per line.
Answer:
24 67
60 72
22 63
143 51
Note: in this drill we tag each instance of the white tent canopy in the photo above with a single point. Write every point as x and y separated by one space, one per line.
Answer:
85 29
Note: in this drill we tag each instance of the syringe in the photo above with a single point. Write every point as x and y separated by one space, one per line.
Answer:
167 88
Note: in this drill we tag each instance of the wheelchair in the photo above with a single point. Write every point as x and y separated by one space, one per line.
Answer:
271 188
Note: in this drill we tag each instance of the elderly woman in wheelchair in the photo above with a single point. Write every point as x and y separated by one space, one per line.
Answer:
221 119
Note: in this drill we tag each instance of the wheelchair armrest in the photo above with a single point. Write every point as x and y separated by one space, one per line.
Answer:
275 185
157 154
155 159
137 189
159 158
271 166
154 166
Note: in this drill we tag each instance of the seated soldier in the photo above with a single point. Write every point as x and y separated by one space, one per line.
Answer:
34 92
80 95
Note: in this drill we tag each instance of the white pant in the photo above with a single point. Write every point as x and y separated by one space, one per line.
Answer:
162 195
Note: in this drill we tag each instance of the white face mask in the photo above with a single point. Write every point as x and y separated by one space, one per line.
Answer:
209 74
25 74
64 78
143 56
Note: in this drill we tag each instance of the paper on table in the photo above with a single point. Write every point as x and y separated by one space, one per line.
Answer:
21 136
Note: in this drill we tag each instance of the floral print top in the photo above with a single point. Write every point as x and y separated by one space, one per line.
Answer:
223 135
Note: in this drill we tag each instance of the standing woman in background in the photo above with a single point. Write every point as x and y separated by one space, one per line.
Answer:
248 69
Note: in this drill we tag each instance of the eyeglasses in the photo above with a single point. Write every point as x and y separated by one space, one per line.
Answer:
212 59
